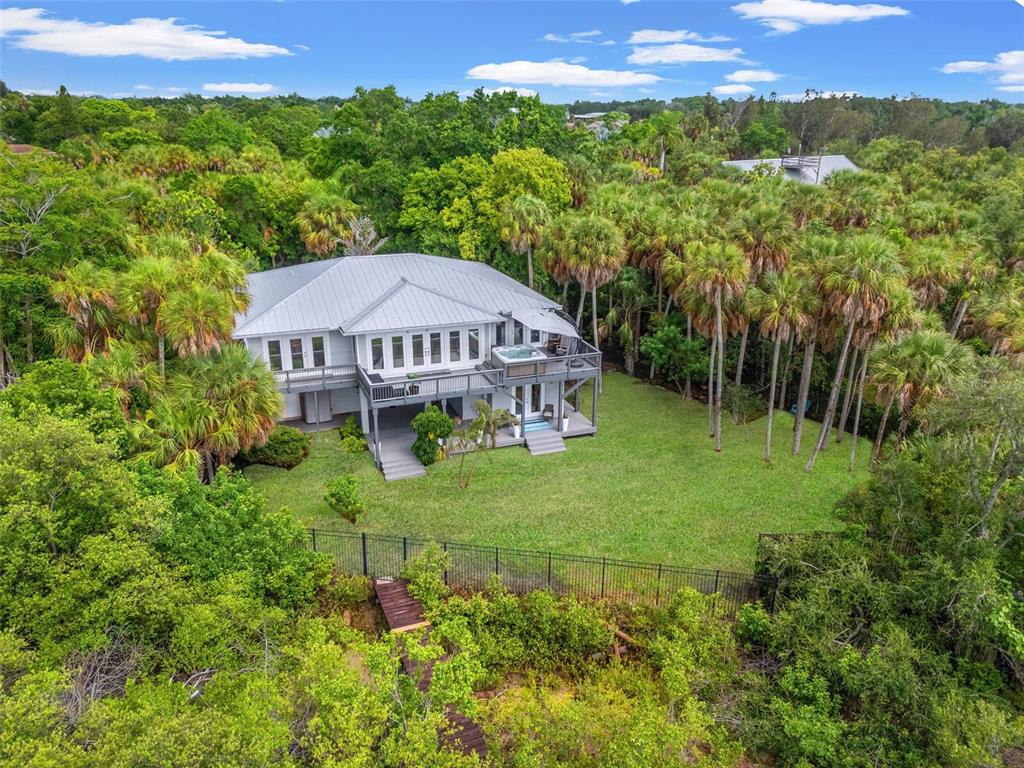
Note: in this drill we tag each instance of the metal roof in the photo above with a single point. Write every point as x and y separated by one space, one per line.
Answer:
806 169
363 294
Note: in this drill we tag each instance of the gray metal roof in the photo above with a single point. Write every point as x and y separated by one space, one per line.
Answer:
805 169
363 294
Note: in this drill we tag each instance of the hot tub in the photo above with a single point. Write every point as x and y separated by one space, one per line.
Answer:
519 360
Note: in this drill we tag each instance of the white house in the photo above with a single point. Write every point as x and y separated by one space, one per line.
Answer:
809 169
383 336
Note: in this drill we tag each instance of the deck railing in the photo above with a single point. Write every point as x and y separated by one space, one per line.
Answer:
430 387
313 378
585 360
470 567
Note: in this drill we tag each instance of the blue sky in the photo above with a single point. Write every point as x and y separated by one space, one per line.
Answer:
562 50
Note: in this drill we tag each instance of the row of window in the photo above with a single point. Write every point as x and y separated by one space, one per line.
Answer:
295 349
420 349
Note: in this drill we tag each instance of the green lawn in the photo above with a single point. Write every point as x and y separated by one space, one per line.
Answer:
649 487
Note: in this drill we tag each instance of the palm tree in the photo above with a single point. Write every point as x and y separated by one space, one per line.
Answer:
489 420
323 222
86 294
630 296
915 370
124 369
243 395
197 320
857 292
786 307
813 261
719 273
933 265
597 252
144 289
764 231
173 434
523 222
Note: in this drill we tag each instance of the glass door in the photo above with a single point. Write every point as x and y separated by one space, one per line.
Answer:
534 400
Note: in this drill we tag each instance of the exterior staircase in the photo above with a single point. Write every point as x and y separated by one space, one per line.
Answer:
397 461
542 439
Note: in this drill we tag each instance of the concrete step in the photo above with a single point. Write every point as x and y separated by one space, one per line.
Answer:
404 474
541 443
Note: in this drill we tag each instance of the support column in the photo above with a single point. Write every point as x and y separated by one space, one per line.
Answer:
364 412
560 405
593 417
376 438
316 406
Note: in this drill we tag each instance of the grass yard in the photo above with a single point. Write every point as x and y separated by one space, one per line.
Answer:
649 487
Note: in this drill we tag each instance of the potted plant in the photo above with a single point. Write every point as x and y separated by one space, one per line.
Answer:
565 422
516 428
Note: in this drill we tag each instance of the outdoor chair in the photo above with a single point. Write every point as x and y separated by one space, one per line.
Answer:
549 411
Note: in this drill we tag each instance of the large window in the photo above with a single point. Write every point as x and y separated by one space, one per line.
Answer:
274 355
398 351
298 360
319 354
377 353
517 332
417 349
499 334
435 348
454 346
534 336
473 339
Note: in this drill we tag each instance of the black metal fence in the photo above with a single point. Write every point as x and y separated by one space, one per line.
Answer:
470 567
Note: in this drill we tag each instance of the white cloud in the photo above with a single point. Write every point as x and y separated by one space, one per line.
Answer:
301 47
558 73
524 92
629 2
682 53
785 16
607 42
732 90
573 37
645 36
238 87
577 59
752 76
35 30
1008 66
142 87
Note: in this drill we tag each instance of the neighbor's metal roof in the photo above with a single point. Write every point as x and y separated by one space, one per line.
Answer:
809 173
362 294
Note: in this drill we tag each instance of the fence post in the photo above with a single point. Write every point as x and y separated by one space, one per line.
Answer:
717 574
495 561
444 546
366 565
405 549
313 531
657 591
603 561
549 570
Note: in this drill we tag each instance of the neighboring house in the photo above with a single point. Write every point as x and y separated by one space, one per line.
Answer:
597 124
810 169
383 336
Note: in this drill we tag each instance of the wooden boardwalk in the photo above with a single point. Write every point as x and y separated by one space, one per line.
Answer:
405 613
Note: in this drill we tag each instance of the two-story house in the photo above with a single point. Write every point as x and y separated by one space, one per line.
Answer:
383 336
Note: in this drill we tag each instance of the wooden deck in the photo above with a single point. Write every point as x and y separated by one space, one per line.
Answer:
405 613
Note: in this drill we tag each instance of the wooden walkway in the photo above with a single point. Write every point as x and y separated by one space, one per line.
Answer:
405 613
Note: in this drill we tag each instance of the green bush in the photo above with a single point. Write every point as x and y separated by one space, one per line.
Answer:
425 574
353 444
753 625
286 447
429 426
343 497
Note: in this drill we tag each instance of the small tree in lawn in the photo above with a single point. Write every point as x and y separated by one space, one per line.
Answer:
343 497
677 357
490 419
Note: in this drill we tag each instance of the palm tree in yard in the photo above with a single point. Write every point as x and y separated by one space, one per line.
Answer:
599 252
913 371
719 273
933 264
145 287
785 307
197 320
523 222
813 260
125 369
86 294
857 293
323 222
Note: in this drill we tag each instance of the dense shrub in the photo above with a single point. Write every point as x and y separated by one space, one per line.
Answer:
286 447
343 497
430 426
353 440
